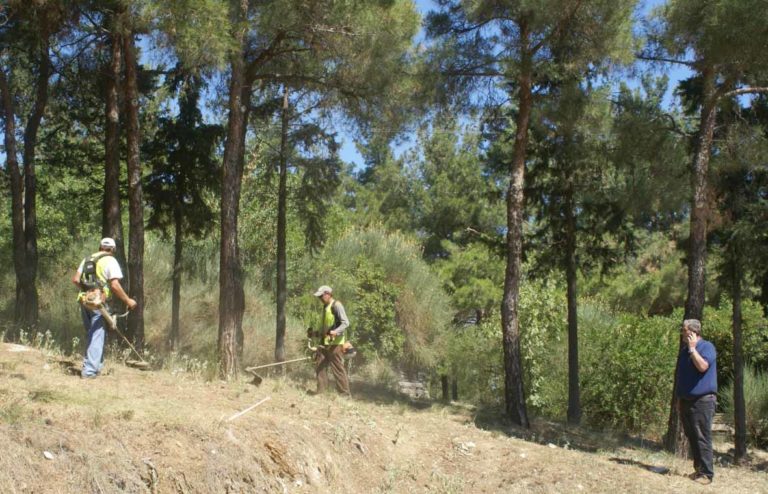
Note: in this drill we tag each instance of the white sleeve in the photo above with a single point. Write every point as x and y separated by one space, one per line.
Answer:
80 267
112 269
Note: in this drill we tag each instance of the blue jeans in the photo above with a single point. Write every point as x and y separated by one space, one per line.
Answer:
94 354
697 415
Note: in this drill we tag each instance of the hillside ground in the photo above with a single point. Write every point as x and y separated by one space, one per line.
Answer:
163 431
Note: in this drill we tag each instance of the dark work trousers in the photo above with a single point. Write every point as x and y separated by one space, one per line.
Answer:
697 415
331 356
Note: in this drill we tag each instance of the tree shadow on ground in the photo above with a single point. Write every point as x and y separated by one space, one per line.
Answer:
645 466
582 438
380 394
550 432
384 395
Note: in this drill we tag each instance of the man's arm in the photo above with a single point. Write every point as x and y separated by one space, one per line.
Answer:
341 315
699 362
117 289
76 279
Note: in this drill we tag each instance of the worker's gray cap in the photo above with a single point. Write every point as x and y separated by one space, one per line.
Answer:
323 289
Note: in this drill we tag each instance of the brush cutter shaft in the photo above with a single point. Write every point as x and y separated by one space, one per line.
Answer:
250 369
113 325
129 344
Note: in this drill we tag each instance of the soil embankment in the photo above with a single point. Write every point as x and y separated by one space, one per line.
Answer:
133 431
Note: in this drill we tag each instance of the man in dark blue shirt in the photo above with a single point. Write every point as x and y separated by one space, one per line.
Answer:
697 394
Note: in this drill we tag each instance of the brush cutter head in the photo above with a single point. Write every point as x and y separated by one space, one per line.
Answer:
138 364
349 350
257 379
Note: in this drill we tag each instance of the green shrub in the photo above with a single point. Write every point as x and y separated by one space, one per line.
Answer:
718 328
627 368
755 404
473 354
543 344
375 301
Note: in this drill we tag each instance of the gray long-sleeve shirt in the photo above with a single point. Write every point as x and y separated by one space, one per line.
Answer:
340 315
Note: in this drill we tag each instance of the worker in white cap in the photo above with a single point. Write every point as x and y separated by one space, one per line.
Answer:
98 277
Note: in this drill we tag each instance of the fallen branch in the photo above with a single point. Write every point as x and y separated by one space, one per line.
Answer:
238 414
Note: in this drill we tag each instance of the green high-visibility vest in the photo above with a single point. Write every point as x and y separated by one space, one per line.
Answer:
329 321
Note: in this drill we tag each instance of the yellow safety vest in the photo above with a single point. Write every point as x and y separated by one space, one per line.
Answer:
329 321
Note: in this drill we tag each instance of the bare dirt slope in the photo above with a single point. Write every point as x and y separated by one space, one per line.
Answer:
134 431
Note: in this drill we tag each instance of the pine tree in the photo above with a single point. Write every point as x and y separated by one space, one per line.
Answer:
722 42
514 44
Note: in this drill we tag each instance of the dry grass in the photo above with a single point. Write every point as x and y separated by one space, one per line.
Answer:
155 432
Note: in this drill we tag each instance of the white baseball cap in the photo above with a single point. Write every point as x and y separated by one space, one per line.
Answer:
323 289
108 242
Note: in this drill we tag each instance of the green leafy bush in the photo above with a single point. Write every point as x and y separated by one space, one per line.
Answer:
543 344
718 328
375 301
627 368
473 354
756 405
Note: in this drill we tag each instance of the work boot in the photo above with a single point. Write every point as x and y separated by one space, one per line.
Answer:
703 480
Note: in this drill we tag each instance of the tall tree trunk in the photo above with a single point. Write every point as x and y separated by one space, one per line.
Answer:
697 254
17 190
239 292
574 400
445 383
135 199
231 305
30 306
24 189
173 339
739 407
282 282
112 223
514 393
675 439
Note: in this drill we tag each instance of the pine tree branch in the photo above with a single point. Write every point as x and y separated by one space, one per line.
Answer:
473 74
299 79
267 54
673 126
476 70
649 58
559 28
746 90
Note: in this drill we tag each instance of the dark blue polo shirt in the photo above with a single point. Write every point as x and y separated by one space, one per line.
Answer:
690 382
